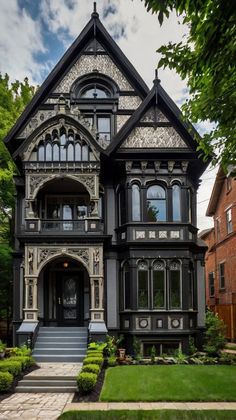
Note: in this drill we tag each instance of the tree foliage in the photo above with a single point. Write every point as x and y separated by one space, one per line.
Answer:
214 334
206 58
13 99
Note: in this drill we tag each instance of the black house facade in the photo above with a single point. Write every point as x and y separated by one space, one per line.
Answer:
106 234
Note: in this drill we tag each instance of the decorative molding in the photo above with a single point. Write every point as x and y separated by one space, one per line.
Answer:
148 137
121 120
150 116
88 64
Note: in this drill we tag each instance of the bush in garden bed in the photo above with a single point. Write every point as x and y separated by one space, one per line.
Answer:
20 351
26 361
94 354
6 381
93 361
86 381
111 361
14 367
91 368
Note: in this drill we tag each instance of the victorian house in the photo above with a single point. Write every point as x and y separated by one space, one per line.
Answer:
106 236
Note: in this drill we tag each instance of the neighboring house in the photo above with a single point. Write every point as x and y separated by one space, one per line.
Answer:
220 260
106 234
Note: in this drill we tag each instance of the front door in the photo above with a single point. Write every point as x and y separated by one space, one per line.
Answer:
70 308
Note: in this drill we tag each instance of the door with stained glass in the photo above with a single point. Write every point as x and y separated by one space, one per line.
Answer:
70 299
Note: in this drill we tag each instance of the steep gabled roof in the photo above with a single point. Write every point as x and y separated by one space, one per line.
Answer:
93 29
158 97
216 191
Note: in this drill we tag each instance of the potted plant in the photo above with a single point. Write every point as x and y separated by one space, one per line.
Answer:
121 351
2 349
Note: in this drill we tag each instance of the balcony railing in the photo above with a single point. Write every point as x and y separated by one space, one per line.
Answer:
54 227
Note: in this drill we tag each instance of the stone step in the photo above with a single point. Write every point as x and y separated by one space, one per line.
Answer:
59 358
46 389
62 339
63 328
55 350
57 344
62 333
31 377
47 382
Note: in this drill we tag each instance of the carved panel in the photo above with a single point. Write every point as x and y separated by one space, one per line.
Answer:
148 137
45 254
89 63
150 116
129 102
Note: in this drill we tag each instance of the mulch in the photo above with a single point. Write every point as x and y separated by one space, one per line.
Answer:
94 395
7 394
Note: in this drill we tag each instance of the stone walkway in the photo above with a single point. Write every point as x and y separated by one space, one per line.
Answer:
38 405
152 406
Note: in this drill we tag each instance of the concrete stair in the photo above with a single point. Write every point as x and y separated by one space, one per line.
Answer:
54 384
61 344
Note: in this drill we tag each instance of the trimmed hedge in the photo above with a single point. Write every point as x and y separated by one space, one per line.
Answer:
111 361
94 353
14 367
86 381
6 380
93 361
26 361
91 368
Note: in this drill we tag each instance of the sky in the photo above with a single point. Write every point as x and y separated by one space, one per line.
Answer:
34 34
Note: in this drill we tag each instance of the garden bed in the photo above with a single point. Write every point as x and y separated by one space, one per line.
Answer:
16 379
94 395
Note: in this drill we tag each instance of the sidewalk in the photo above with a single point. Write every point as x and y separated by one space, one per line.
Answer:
151 406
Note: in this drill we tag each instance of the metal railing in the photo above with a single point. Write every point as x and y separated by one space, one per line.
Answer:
71 226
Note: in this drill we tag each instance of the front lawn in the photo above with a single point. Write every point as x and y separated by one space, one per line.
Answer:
149 415
170 383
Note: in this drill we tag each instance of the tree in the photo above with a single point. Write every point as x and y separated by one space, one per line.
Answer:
207 60
13 99
214 334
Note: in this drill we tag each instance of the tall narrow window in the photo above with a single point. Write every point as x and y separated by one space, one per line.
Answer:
175 285
222 275
85 152
136 216
122 207
143 285
229 221
56 152
211 283
77 152
158 285
70 152
189 205
190 287
41 152
126 287
176 203
49 152
156 204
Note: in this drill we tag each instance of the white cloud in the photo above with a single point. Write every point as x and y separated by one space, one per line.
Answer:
20 40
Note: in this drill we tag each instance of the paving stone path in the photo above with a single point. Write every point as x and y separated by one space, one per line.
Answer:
38 405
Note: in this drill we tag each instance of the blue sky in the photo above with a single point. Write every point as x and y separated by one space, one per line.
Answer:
34 34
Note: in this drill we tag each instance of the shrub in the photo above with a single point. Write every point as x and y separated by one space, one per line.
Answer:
191 345
93 361
2 347
94 353
13 367
214 335
26 361
6 380
227 358
20 351
86 381
91 368
137 348
111 361
153 354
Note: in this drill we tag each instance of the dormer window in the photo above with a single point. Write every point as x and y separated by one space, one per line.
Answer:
97 99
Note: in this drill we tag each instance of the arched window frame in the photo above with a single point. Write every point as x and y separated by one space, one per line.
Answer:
136 213
164 200
142 285
158 266
176 206
175 302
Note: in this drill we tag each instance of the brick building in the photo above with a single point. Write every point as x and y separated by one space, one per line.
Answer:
220 258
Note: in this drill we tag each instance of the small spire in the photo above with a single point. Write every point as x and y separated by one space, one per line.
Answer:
95 13
156 81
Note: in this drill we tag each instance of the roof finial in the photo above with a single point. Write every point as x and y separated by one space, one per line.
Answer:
156 81
95 13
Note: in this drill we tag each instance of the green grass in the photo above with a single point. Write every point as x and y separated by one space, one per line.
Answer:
170 383
149 415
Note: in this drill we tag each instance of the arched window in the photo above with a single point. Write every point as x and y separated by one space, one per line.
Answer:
41 150
85 153
70 152
136 213
158 284
156 204
49 152
126 287
175 285
56 152
95 92
176 203
77 152
143 285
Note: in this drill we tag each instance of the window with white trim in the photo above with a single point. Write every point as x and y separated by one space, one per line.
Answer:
229 220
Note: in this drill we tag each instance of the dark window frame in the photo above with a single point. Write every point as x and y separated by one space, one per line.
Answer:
222 275
211 283
165 200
